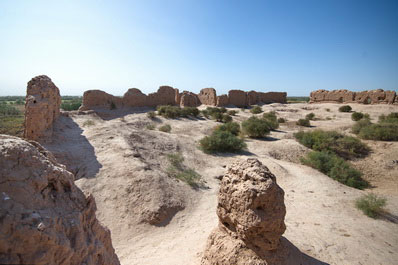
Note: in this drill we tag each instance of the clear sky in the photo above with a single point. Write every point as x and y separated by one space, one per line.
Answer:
294 46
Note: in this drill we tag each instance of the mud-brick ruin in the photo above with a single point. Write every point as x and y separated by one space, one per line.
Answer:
251 213
42 107
167 95
345 96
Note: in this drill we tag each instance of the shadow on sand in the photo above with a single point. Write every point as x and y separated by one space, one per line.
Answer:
72 149
289 254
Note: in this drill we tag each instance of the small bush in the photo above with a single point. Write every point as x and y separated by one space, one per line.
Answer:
281 120
68 106
272 120
360 124
304 122
231 112
356 116
205 113
177 170
310 116
256 110
344 146
218 116
328 110
165 128
151 114
335 167
151 126
232 127
345 108
221 141
242 109
223 110
371 204
169 112
226 118
382 132
8 110
255 127
385 130
189 111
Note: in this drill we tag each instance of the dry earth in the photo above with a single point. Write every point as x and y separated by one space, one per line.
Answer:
123 165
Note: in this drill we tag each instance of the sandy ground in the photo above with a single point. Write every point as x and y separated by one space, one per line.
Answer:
321 219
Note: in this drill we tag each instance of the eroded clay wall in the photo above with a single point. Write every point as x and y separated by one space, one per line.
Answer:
167 95
41 108
345 96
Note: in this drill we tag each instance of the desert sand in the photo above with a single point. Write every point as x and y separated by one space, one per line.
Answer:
155 219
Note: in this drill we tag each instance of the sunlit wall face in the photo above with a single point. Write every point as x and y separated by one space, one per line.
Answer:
293 46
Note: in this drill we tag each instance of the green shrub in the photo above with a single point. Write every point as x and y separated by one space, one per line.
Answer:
382 132
151 126
221 141
177 170
73 105
231 112
304 122
335 167
281 120
390 118
7 110
345 108
371 204
205 113
272 120
356 116
310 116
232 127
255 127
242 109
169 112
211 110
189 111
223 110
344 146
385 130
12 124
218 116
256 110
165 128
151 114
357 127
226 118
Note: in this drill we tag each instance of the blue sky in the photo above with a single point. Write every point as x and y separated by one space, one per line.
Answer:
294 46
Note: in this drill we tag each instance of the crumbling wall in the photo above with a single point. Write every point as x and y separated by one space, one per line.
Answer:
189 99
222 100
100 99
251 214
237 98
273 97
208 96
252 98
45 217
167 95
345 96
135 98
41 108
